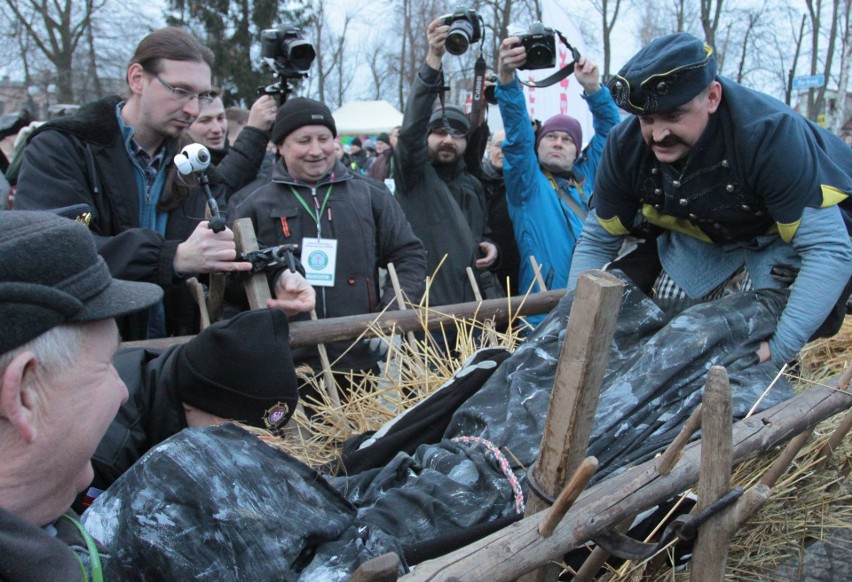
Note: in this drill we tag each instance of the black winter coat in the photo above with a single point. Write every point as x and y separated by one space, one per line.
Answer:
371 231
82 160
445 204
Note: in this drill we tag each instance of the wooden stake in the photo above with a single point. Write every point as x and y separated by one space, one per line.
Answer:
672 454
257 287
572 490
835 439
784 459
576 388
711 547
384 568
537 274
197 292
330 382
598 557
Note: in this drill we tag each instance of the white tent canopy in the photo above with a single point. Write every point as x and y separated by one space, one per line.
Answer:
366 118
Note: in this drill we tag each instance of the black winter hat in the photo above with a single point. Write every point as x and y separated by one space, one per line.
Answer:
51 273
356 141
664 75
241 369
383 137
298 112
451 116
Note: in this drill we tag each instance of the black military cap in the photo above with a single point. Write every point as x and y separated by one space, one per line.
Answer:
664 75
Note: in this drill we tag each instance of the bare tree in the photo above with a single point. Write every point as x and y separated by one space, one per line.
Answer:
841 111
711 15
331 49
816 98
56 28
608 10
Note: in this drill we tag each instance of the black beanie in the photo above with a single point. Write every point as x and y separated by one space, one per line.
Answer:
383 137
241 369
356 141
451 116
298 112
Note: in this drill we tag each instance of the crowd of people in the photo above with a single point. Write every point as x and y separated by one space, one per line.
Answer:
694 193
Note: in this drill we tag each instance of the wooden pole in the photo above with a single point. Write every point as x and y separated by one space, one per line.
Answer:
598 557
568 496
310 333
384 568
537 274
516 549
711 547
784 459
670 457
257 287
330 382
576 388
197 292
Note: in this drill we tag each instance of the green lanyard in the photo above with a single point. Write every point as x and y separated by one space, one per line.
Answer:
94 556
319 210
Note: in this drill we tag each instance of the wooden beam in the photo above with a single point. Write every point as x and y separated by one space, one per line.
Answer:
517 549
576 388
310 333
670 457
257 287
710 552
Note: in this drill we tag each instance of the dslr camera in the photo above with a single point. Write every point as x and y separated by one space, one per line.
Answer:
464 30
540 43
286 51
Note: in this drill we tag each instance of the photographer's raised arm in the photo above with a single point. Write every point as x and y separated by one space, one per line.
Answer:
436 34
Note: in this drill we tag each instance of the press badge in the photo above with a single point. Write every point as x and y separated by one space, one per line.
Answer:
319 256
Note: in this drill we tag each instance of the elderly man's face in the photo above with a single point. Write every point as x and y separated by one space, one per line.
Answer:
79 404
557 152
495 154
671 135
308 153
211 127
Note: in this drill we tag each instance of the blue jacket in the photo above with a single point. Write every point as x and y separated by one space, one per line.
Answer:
544 225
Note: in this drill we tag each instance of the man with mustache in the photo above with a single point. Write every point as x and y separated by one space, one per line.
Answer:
444 203
549 175
114 160
741 186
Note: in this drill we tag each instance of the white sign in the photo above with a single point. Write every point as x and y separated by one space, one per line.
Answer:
319 256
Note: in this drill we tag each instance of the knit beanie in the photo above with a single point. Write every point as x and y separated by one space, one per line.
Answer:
298 112
451 115
356 141
384 138
564 123
241 369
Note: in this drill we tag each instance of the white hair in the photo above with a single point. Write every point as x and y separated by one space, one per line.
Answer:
55 349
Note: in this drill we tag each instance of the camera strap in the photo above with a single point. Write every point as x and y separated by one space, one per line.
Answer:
561 73
477 106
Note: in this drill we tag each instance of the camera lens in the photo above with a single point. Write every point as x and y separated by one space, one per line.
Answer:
539 55
458 38
300 53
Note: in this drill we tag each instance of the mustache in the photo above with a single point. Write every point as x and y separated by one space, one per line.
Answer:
667 142
447 148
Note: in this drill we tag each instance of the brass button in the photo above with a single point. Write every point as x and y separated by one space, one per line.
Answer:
725 163
657 191
657 206
676 183
683 201
661 86
729 187
654 170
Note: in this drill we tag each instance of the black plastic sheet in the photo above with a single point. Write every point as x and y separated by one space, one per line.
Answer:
197 507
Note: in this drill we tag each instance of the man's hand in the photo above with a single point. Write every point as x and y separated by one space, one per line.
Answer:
587 75
293 294
763 354
490 251
262 113
436 35
206 251
512 55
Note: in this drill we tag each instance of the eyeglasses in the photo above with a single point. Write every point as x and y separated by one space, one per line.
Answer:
444 132
185 96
